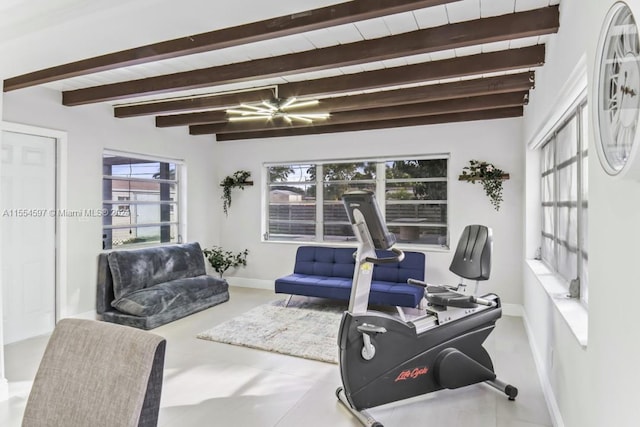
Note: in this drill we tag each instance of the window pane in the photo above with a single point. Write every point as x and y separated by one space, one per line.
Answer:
349 171
548 157
548 183
292 173
333 192
138 235
416 190
416 213
420 234
139 192
338 232
292 212
564 189
431 168
288 230
416 193
127 167
546 250
568 183
567 142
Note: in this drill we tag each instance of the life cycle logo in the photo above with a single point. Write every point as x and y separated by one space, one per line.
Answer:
411 374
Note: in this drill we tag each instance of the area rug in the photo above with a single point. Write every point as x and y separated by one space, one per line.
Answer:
301 329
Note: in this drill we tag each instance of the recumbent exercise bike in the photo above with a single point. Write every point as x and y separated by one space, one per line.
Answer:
384 359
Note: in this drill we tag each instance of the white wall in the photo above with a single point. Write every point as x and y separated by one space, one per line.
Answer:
596 385
4 385
614 234
90 130
497 142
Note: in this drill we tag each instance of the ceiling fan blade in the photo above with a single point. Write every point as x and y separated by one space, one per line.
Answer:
288 102
302 104
254 108
247 118
301 118
269 106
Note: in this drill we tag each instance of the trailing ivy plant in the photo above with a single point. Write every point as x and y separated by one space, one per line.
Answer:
222 260
490 176
237 180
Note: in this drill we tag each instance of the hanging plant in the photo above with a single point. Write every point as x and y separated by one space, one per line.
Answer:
237 180
490 176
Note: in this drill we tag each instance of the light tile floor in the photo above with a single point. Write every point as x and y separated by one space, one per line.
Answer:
208 383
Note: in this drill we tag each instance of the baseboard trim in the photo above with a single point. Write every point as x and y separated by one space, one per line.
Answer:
87 315
4 389
547 390
515 310
243 282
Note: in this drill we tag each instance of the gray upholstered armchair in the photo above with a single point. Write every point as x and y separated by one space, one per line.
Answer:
97 374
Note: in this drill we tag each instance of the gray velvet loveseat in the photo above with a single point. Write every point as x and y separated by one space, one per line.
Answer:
146 288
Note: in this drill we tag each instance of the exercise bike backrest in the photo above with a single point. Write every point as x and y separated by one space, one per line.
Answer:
472 259
362 208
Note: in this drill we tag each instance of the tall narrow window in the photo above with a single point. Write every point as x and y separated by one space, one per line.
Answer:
139 201
564 200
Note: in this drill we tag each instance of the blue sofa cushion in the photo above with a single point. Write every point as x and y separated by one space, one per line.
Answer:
328 273
168 295
137 269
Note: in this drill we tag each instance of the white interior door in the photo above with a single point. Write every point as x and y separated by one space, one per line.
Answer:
27 215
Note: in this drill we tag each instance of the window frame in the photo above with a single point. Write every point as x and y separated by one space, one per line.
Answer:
175 203
379 182
579 113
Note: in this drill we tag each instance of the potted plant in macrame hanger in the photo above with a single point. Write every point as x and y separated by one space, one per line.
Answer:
237 180
490 176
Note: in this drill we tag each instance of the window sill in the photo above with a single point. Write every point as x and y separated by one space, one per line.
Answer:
573 312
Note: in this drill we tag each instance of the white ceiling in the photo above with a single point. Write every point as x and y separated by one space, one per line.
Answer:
28 16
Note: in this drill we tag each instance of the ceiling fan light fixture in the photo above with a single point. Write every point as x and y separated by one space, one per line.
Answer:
276 108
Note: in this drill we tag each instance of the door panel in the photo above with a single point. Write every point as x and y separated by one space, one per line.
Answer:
27 216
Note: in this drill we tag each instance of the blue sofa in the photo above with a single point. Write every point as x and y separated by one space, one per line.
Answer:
328 273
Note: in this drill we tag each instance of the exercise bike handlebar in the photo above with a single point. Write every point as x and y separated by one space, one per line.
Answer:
399 256
417 282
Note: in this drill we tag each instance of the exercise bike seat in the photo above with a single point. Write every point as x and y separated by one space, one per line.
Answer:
448 298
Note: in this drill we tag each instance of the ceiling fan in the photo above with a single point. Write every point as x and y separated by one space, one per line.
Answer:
277 108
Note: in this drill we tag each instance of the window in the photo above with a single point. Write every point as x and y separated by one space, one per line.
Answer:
139 201
412 194
564 200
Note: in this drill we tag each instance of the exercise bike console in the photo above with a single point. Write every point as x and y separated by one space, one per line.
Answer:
385 359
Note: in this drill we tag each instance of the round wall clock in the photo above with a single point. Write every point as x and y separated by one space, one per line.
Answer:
617 93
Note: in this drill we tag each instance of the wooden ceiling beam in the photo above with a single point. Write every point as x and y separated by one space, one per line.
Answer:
500 113
476 103
465 88
511 59
342 13
482 63
221 101
484 30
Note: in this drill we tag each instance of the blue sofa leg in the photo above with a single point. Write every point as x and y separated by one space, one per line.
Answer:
286 302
